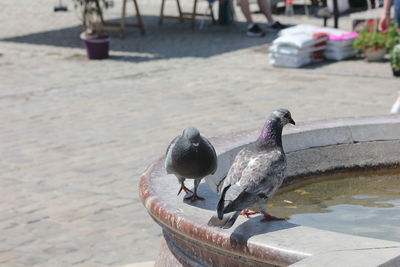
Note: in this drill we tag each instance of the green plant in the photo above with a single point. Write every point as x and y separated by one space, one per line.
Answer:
91 14
371 38
395 59
393 37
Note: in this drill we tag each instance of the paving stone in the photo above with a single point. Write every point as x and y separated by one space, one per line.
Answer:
33 259
120 202
17 236
7 256
60 250
7 225
76 257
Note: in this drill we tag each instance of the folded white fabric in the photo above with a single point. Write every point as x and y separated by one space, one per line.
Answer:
299 41
289 64
339 54
344 43
288 61
310 30
339 45
290 50
296 50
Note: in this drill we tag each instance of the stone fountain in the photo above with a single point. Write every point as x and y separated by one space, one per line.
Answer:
316 149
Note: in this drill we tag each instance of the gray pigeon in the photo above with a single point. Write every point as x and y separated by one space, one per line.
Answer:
255 175
190 156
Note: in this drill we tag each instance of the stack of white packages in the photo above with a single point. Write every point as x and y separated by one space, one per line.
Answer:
339 45
296 50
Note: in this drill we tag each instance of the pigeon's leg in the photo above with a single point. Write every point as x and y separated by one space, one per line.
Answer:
195 197
183 187
248 212
268 217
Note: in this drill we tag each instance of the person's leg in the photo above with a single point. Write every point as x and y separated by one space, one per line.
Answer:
265 8
253 30
245 6
397 12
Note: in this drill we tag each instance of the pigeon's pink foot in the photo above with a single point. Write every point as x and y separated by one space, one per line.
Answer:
194 198
184 188
268 218
247 212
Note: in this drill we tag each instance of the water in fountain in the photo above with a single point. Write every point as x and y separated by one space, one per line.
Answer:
365 205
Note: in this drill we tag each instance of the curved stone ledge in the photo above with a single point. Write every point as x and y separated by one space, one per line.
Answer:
312 148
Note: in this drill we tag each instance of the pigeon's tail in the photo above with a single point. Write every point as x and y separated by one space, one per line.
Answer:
227 220
221 204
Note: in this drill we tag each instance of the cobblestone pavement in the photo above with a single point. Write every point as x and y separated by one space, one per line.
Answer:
76 134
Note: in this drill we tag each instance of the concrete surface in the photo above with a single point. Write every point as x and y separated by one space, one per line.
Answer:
77 134
141 264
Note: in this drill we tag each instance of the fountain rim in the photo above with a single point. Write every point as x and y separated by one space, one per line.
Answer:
339 131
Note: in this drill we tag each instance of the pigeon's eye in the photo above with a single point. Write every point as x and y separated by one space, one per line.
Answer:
286 115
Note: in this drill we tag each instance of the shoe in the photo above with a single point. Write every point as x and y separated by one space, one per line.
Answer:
277 26
255 31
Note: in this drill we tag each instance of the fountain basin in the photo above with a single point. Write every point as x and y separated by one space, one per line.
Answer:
316 149
363 204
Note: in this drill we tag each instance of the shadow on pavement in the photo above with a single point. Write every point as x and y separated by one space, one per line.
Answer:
172 39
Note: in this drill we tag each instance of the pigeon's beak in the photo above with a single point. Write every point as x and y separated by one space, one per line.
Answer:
195 144
292 121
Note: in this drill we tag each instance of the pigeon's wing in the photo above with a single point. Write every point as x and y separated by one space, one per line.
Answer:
263 171
260 178
214 153
168 154
231 187
237 167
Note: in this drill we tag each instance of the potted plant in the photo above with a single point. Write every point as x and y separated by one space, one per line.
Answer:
395 61
95 39
371 42
393 36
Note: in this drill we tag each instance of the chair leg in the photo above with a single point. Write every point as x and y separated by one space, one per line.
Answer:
160 20
212 13
306 8
194 14
369 4
335 14
139 18
178 4
123 20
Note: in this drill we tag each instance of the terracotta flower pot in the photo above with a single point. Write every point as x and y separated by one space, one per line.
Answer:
372 54
97 46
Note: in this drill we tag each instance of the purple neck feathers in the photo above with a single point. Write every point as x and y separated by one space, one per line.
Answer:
271 135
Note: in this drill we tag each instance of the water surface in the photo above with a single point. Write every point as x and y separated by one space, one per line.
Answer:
365 205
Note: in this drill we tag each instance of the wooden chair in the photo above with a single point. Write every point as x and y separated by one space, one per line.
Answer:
120 26
288 4
325 13
185 15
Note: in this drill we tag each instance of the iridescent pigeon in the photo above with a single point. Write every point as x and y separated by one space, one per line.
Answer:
256 173
190 156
